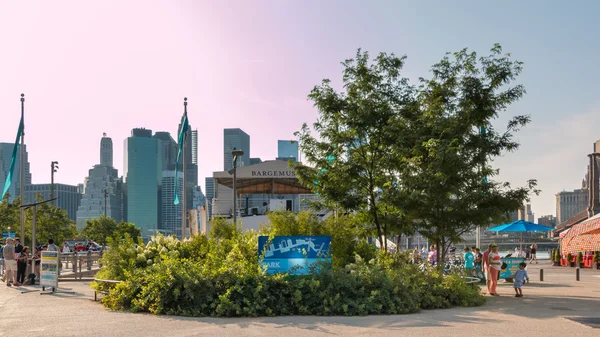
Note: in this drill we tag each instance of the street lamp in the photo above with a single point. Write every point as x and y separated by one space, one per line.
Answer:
236 154
54 167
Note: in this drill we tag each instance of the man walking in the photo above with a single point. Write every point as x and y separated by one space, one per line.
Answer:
10 263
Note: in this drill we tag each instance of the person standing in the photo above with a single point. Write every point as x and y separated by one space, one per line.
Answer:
10 263
486 267
22 264
469 261
519 278
18 246
495 263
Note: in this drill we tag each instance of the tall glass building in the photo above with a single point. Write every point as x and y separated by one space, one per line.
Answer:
6 150
287 150
142 171
235 139
170 213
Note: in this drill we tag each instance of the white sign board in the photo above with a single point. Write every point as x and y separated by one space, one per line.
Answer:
277 205
49 269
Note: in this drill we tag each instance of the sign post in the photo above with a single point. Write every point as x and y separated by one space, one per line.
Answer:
49 270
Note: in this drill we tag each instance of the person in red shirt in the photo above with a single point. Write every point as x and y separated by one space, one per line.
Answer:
486 267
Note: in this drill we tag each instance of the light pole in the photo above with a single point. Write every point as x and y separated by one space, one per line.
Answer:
54 168
236 154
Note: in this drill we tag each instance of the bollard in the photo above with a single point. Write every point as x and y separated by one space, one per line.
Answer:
74 262
541 275
577 274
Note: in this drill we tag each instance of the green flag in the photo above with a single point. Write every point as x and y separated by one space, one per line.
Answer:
184 129
13 159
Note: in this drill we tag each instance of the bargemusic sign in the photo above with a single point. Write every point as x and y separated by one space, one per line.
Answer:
274 173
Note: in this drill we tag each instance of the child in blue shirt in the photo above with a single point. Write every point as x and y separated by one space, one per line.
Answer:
469 261
520 277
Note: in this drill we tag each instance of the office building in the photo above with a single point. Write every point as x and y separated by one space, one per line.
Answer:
106 151
529 213
171 213
68 200
569 203
235 139
287 150
209 186
547 220
142 172
6 151
168 150
102 190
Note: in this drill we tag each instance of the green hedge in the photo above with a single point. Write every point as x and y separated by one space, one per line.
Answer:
221 277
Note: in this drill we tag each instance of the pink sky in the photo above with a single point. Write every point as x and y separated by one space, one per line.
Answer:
115 65
88 67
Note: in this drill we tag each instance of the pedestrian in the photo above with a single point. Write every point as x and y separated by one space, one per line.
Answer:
52 247
10 263
22 264
519 278
533 254
495 265
485 267
469 261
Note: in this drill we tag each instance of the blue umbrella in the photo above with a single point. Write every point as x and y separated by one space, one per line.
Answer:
520 226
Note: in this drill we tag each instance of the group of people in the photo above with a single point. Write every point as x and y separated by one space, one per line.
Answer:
16 257
490 263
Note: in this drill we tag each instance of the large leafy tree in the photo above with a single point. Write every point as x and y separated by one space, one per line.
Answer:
102 228
447 180
356 128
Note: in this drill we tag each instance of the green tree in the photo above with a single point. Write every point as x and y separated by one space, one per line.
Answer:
51 223
102 228
447 181
355 131
9 215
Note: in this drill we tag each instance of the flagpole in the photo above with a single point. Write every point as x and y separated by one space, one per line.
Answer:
184 206
22 169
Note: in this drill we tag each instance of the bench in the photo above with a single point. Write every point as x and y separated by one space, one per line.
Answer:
103 292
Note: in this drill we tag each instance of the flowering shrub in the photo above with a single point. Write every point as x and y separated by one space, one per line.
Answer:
221 276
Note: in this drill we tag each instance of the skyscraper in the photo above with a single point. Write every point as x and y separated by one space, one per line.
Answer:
171 213
106 151
209 185
195 147
6 150
102 191
235 139
168 148
287 150
142 172
191 167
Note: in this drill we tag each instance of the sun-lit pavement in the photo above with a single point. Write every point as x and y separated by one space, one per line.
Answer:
542 312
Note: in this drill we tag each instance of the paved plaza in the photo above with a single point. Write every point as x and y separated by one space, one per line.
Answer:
544 311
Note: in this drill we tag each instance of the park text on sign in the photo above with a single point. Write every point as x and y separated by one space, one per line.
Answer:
274 173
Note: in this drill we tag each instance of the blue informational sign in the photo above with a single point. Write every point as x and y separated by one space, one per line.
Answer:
293 254
512 265
6 235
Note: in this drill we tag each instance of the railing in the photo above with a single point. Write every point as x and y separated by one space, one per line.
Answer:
76 264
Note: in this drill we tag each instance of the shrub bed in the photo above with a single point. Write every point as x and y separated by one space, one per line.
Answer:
221 277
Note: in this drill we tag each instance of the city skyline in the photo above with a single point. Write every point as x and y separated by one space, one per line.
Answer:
99 78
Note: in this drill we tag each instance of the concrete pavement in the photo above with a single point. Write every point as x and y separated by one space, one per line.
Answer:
542 312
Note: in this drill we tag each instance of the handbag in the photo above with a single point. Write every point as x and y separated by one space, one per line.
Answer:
504 265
